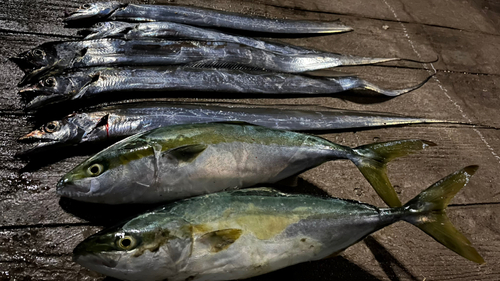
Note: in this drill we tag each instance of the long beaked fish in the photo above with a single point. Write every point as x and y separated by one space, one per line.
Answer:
91 82
245 233
200 17
54 57
120 121
181 161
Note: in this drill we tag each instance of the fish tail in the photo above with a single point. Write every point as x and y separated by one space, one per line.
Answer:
427 212
354 60
365 85
372 162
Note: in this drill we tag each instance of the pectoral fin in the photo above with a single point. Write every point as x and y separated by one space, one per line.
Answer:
92 79
186 153
220 240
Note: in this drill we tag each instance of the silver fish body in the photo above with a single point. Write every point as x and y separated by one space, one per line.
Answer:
181 161
240 234
200 17
55 57
170 30
115 122
90 82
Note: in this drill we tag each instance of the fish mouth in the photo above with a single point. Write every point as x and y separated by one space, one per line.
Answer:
23 63
81 256
77 15
66 188
37 99
31 92
34 136
88 32
34 148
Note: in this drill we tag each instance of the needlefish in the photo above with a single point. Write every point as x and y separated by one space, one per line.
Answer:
92 82
181 161
240 234
120 121
200 17
54 57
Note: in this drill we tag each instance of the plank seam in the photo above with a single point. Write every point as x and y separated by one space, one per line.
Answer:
47 225
8 31
441 85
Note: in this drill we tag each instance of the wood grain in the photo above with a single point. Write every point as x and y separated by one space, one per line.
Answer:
38 230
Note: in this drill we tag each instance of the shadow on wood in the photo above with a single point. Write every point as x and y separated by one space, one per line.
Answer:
387 261
337 268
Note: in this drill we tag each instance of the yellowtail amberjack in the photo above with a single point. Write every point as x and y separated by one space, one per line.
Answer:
240 234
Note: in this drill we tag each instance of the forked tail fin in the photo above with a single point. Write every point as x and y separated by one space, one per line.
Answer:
373 159
427 212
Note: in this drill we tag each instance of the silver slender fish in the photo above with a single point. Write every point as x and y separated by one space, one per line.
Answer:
181 161
54 57
245 233
169 30
116 122
200 17
90 82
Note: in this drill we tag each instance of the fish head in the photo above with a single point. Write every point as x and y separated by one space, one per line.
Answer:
41 56
94 11
107 29
118 174
73 129
62 131
148 247
54 88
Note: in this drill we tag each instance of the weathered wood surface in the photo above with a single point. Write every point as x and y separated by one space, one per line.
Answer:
38 230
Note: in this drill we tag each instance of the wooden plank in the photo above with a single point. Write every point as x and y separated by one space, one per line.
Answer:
38 230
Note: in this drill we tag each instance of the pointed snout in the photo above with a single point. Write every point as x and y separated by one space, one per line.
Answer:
35 135
22 62
29 90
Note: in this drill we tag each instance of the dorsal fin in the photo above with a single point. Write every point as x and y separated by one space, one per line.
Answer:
223 65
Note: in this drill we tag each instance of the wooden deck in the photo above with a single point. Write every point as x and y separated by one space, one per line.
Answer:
38 230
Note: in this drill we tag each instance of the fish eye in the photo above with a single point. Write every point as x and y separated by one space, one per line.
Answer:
51 127
95 170
49 82
86 6
38 53
126 243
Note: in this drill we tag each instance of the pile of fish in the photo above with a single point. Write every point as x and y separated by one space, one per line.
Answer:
198 154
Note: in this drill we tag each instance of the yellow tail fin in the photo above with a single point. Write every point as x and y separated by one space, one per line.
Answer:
372 163
427 212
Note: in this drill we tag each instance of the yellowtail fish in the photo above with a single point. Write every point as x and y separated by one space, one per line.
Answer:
181 161
245 233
